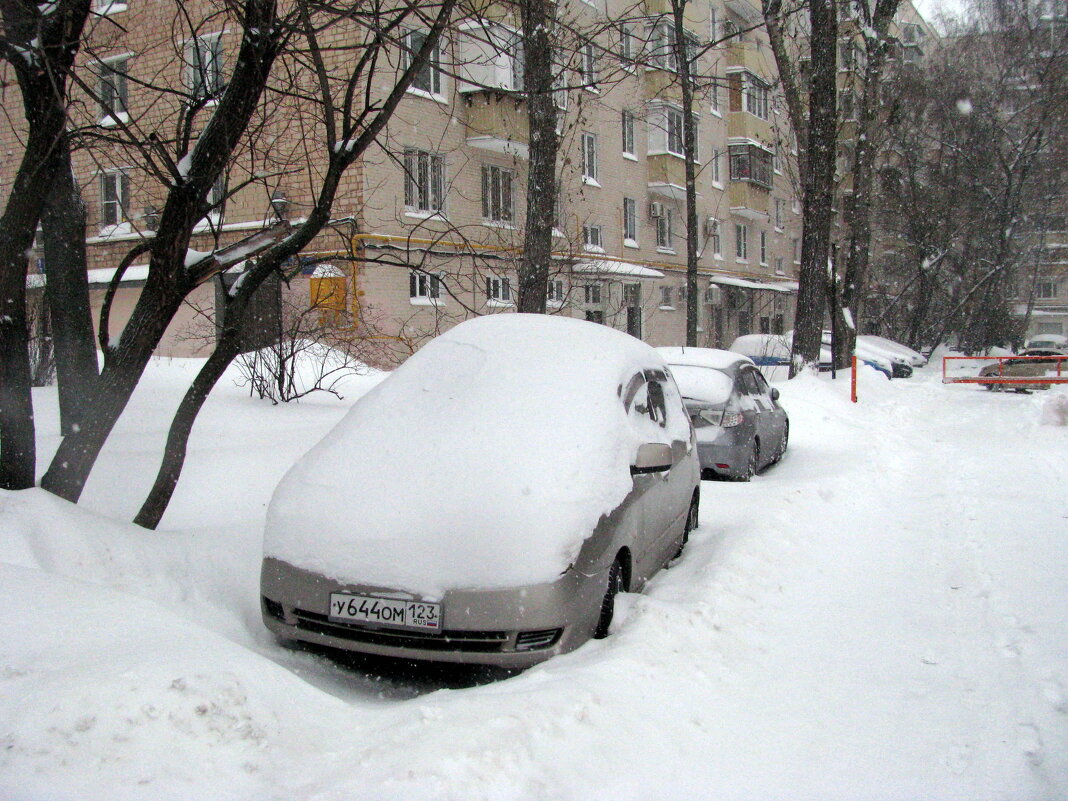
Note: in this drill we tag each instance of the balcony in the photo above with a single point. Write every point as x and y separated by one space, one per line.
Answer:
667 176
749 200
497 121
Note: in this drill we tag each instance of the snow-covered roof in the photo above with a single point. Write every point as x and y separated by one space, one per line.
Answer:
624 268
778 286
484 461
702 357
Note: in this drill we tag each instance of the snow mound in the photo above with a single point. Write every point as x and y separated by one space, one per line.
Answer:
1055 411
484 461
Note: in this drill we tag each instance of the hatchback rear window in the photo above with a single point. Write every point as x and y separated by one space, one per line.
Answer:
703 383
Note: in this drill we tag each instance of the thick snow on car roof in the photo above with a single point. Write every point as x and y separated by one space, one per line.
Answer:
484 461
702 357
708 384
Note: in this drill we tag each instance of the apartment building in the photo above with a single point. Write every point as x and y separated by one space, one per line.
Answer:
429 224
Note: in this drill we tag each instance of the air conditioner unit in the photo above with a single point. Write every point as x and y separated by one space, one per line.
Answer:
711 226
656 209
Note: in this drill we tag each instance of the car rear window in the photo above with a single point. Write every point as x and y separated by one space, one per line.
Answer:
703 383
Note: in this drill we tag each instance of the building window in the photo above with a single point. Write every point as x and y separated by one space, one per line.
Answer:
778 324
663 46
664 225
628 133
630 221
424 182
1045 290
717 178
665 298
114 197
555 292
717 247
713 94
779 266
628 45
497 194
847 105
741 241
589 66
424 286
499 289
428 79
595 316
750 163
748 93
674 132
797 250
764 253
713 24
114 95
591 294
666 131
591 238
109 6
589 158
203 59
780 213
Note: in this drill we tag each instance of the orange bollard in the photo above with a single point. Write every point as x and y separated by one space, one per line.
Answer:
853 385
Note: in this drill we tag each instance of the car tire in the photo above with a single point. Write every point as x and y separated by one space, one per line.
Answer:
608 603
753 464
691 524
783 443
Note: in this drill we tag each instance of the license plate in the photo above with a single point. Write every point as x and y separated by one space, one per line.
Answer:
389 612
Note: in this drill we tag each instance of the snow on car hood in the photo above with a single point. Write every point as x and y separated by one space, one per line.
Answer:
484 461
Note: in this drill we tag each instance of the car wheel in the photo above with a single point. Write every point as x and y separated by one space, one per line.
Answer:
608 603
691 524
783 443
753 464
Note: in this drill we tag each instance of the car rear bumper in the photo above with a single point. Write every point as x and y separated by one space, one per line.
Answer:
511 628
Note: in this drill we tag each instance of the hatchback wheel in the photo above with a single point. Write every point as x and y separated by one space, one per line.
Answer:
753 464
783 443
608 603
691 524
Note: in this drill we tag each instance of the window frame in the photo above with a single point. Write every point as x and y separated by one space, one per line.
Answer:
499 290
741 242
110 114
432 71
630 222
589 159
424 288
204 84
119 204
424 200
498 205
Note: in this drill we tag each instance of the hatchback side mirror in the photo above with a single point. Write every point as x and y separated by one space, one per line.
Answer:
653 457
774 393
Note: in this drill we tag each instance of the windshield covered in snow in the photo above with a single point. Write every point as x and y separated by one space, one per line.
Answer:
703 383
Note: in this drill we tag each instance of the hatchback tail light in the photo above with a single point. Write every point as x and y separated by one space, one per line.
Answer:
731 419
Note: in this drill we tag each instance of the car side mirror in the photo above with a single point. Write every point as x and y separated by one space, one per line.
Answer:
653 457
774 393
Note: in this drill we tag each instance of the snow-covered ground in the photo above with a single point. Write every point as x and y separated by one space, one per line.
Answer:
881 616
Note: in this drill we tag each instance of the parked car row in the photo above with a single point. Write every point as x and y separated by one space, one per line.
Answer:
888 357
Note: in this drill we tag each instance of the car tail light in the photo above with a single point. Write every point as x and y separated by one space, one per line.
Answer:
731 419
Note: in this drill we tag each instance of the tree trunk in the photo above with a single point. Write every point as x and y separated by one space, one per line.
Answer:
67 292
817 179
689 146
536 260
228 346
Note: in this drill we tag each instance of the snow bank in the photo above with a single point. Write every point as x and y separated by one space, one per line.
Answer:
1055 409
482 462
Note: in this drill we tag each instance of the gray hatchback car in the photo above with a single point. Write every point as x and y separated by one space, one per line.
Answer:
741 426
488 500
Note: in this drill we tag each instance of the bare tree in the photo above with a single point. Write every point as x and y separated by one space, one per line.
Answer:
815 125
351 120
40 43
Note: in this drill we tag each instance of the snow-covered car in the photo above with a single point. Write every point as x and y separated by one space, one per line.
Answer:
1048 342
487 501
914 358
1036 362
741 427
771 350
886 361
